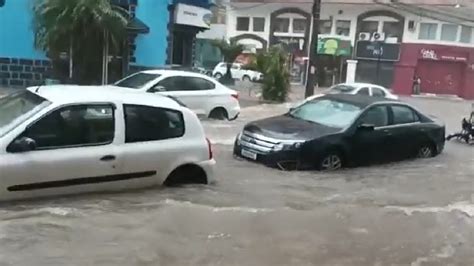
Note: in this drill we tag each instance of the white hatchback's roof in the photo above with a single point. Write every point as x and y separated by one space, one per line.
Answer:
360 84
166 72
72 94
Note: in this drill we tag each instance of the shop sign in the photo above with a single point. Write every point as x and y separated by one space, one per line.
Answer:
192 16
334 46
382 51
431 54
428 54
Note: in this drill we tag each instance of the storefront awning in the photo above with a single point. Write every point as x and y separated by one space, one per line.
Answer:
137 26
334 46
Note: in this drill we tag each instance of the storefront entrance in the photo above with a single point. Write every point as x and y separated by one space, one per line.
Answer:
183 44
440 77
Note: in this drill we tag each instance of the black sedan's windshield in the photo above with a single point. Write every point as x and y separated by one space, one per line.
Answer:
327 112
18 107
136 81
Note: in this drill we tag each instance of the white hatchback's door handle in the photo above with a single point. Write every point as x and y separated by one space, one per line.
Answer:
108 158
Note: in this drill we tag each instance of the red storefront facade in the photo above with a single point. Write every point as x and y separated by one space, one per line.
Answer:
442 69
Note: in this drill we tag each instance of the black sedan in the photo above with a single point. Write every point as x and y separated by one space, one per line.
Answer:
339 130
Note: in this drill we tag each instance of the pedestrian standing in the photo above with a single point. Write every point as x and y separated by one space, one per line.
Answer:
416 85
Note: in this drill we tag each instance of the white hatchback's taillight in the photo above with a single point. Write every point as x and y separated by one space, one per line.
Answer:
209 147
235 96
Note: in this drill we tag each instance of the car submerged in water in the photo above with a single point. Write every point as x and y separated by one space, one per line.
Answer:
338 130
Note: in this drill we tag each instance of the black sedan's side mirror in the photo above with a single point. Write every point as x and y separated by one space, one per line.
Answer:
23 144
366 127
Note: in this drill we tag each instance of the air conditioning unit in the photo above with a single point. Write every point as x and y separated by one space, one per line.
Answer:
391 40
364 36
378 36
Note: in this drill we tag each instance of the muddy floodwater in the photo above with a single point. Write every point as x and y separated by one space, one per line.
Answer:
418 212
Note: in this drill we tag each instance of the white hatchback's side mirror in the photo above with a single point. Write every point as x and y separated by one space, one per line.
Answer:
157 89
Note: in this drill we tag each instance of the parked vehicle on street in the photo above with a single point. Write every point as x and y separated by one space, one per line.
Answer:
358 89
467 129
57 140
239 72
200 93
338 130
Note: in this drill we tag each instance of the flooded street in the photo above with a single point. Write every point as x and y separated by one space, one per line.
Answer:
417 212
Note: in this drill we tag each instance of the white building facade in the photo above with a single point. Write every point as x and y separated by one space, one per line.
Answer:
432 40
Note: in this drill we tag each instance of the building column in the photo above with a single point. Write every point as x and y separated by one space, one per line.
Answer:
351 71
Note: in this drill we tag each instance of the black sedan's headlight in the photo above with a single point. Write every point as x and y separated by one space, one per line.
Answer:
287 146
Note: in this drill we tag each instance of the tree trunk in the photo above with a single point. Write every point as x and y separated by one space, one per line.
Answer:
227 79
71 60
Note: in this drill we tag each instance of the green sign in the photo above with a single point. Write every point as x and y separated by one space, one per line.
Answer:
334 46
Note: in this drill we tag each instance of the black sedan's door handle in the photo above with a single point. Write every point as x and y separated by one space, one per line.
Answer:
107 158
387 132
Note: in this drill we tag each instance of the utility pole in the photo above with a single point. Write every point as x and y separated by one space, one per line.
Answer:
313 53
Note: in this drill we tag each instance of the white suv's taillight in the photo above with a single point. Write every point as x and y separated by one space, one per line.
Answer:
209 147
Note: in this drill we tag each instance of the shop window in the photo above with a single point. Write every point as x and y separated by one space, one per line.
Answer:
449 32
243 24
466 34
299 25
391 30
325 27
428 31
258 24
369 26
343 27
282 25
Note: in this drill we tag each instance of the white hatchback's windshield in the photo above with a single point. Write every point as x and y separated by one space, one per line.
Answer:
18 107
327 112
342 89
137 81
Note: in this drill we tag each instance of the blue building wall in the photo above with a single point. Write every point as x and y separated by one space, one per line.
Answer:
16 33
20 63
151 47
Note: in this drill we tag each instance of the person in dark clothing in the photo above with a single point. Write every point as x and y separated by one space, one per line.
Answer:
416 85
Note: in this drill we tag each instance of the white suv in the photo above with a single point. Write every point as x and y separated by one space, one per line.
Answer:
238 72
200 93
71 139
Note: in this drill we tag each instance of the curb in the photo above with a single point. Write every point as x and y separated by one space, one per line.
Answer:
431 96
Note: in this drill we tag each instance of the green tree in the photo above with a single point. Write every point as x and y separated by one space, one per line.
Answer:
276 76
230 50
79 28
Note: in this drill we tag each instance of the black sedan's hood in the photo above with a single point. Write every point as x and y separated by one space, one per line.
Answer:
286 127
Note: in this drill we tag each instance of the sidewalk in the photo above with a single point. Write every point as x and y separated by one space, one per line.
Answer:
250 91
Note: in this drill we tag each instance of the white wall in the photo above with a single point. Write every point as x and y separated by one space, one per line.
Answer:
217 31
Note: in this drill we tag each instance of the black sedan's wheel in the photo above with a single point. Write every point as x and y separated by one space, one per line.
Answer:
426 151
331 162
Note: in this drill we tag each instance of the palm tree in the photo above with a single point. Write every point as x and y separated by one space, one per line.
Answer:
79 27
230 51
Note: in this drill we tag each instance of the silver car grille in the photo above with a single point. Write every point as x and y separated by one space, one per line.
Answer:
257 143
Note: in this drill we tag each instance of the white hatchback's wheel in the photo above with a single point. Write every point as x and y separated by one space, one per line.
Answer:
219 113
218 75
426 151
246 78
331 162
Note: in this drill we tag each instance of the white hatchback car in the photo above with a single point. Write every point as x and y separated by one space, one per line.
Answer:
238 72
200 93
63 139
360 89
